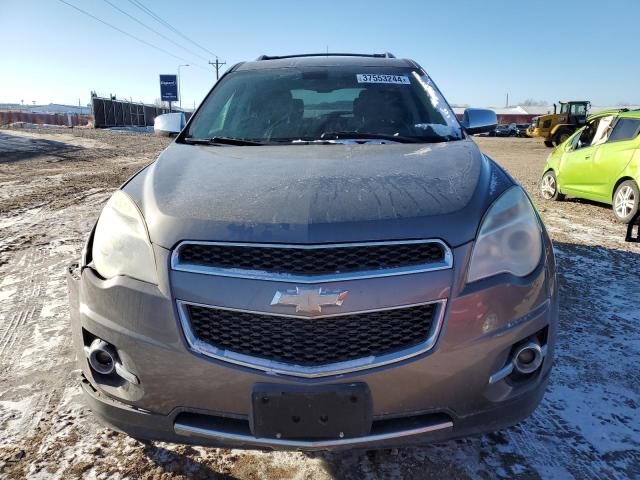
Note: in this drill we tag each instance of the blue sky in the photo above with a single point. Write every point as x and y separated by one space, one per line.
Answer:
476 52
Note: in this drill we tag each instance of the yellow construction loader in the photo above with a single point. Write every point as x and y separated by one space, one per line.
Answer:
555 128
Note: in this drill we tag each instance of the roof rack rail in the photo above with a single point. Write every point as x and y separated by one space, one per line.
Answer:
371 55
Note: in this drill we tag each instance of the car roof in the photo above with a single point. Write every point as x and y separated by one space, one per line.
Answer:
326 60
630 114
622 112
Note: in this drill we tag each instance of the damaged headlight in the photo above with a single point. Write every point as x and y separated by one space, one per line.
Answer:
121 244
510 238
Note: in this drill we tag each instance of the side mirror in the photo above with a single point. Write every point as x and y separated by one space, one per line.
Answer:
169 124
479 120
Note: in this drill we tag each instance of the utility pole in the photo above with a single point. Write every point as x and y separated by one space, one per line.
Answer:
217 64
180 84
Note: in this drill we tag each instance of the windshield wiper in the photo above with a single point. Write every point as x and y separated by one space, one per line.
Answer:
222 141
368 136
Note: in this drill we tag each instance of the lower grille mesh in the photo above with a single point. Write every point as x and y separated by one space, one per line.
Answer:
312 342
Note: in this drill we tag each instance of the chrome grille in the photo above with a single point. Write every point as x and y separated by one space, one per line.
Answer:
312 262
296 344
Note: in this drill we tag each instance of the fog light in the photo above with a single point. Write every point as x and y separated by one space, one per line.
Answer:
526 359
103 359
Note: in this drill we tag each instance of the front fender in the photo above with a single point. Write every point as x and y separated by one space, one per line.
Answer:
553 162
632 169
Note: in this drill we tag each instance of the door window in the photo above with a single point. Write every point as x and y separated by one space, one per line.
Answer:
603 130
625 129
588 134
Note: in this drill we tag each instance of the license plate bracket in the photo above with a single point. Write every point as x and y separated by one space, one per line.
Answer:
316 412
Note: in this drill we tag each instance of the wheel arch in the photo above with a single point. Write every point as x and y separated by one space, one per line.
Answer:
624 178
560 126
553 169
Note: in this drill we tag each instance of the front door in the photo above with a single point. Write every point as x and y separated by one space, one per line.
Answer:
576 175
576 170
614 155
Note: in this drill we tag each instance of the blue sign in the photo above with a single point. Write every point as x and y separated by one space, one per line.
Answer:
168 88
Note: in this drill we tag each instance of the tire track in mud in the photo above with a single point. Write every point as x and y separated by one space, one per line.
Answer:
36 352
9 336
24 305
579 458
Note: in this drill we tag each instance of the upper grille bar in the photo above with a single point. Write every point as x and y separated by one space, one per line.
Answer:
311 263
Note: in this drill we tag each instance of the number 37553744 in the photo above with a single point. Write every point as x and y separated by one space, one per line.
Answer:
378 78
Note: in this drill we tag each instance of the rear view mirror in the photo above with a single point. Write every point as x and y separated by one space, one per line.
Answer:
479 120
169 124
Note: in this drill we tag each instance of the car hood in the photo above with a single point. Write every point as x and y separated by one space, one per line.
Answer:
317 193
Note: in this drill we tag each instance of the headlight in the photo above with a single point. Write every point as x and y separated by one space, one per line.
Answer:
121 244
510 238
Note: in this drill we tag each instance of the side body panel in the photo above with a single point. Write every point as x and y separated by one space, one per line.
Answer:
613 164
576 171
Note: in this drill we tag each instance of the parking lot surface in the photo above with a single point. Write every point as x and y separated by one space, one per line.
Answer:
53 184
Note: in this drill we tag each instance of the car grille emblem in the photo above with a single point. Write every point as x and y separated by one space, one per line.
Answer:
309 300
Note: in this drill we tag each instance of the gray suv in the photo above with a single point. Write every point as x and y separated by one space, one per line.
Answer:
322 259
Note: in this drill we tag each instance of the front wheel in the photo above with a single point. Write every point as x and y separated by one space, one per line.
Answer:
625 201
548 143
561 136
549 187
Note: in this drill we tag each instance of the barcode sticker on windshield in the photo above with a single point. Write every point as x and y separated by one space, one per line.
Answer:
376 78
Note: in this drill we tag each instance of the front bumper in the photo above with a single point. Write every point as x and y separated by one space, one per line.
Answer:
205 431
186 397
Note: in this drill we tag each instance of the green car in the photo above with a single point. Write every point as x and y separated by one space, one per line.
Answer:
600 162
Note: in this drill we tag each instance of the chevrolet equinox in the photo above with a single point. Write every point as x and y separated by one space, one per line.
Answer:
322 259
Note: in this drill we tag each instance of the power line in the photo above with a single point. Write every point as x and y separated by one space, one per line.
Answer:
149 12
155 31
124 32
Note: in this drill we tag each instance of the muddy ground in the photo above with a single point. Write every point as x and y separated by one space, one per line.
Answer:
53 184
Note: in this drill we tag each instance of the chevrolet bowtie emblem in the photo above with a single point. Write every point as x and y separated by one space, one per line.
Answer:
309 300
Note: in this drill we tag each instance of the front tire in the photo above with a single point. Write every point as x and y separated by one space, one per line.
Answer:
561 136
625 201
549 187
548 143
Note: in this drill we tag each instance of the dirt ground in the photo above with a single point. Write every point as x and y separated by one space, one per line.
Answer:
53 184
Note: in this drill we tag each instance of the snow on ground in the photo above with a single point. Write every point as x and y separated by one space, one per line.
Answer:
132 129
585 428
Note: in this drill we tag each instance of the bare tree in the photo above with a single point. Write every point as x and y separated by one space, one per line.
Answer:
530 102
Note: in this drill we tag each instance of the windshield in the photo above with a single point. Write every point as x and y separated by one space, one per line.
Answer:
286 105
